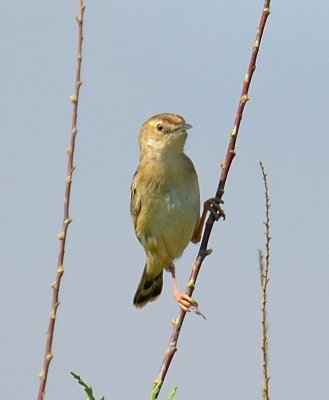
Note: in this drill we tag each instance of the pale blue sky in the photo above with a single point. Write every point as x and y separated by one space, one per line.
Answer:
142 58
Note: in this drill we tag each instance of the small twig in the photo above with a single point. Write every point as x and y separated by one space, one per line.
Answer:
66 219
203 251
264 268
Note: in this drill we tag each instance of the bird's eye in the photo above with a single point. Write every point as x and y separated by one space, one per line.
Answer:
160 127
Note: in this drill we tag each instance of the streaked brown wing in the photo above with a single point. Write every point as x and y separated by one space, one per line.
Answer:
135 200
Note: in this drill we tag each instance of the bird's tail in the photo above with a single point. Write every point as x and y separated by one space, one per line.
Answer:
148 289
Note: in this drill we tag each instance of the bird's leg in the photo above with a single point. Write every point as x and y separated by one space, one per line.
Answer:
213 205
184 301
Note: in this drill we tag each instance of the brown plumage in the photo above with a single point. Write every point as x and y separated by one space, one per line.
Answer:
165 202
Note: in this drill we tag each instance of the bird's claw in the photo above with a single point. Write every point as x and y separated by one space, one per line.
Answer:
197 311
213 205
184 301
187 304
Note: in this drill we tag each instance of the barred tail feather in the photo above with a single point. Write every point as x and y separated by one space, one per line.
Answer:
148 289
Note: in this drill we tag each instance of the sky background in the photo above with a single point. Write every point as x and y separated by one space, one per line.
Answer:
142 58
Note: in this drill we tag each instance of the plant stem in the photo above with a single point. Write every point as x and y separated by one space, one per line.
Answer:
66 218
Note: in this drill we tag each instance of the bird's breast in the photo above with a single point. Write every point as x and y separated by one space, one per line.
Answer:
173 210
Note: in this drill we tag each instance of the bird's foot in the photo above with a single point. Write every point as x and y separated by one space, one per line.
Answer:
186 303
213 205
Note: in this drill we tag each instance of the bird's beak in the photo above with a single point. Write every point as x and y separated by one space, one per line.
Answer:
183 127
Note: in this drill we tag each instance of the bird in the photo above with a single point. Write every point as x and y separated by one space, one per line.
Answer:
165 204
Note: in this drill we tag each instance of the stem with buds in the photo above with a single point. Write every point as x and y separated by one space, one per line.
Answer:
66 218
226 164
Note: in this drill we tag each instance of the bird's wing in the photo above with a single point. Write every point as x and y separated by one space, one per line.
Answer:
135 200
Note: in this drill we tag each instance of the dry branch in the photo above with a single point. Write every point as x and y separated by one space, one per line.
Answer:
66 218
203 251
264 263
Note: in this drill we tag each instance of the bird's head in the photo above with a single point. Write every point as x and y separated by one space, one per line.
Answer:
163 133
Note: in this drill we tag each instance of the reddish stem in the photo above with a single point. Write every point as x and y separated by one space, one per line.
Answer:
226 165
66 218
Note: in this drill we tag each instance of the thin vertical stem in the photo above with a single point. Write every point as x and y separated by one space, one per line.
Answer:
66 217
226 164
264 263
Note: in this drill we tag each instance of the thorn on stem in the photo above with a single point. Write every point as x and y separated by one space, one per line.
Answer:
60 269
191 284
234 132
208 252
61 236
256 44
244 98
68 221
41 376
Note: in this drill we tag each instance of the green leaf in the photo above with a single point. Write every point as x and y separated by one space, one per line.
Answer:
156 390
88 389
172 394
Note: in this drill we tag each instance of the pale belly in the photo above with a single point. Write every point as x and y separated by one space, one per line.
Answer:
169 227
